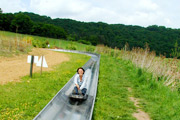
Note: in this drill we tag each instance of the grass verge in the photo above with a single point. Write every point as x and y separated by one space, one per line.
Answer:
156 99
24 100
112 102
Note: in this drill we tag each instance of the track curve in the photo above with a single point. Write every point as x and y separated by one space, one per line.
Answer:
61 107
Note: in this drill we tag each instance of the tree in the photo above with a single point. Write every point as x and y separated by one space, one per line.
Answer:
1 10
159 38
5 21
48 30
21 24
176 50
93 39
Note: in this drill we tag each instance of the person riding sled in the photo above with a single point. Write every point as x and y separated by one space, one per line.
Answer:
80 82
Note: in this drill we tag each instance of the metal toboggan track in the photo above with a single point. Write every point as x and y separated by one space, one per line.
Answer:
61 107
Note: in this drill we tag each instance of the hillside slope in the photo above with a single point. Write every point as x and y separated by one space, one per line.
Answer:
159 38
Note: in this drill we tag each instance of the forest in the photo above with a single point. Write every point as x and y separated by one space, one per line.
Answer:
159 38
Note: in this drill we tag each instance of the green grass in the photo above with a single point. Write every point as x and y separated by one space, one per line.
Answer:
60 43
158 100
24 100
13 44
112 102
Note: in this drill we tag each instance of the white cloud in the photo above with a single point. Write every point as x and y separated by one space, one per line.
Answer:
144 12
59 8
167 21
12 5
135 12
147 5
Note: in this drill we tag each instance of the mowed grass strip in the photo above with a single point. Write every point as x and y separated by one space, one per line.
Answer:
112 101
24 100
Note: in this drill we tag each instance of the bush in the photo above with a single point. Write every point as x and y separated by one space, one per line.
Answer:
34 43
28 39
39 44
90 49
71 38
44 44
71 47
84 42
47 42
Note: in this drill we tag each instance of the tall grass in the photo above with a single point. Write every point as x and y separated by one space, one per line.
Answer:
159 101
101 49
164 69
112 100
13 44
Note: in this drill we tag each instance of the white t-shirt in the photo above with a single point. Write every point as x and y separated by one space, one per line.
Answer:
83 83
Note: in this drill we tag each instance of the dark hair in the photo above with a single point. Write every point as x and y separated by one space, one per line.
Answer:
82 69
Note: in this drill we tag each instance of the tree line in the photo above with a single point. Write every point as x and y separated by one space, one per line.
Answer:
160 39
21 23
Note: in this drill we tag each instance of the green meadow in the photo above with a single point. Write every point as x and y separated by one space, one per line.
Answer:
15 43
24 99
112 101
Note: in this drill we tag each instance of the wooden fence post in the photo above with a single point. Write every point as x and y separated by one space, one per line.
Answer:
31 65
41 64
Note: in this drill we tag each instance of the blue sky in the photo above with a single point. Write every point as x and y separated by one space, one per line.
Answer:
129 12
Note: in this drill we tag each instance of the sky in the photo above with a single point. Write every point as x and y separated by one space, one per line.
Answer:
129 12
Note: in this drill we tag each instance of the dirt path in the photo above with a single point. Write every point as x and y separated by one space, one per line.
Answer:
11 69
139 115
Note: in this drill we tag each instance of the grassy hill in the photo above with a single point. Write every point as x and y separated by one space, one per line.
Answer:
120 78
160 39
14 43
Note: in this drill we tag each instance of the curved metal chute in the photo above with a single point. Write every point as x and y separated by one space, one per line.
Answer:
62 108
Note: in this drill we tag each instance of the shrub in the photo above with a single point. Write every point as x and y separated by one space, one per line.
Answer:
44 44
71 38
34 43
84 42
90 49
39 44
71 46
28 40
47 42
